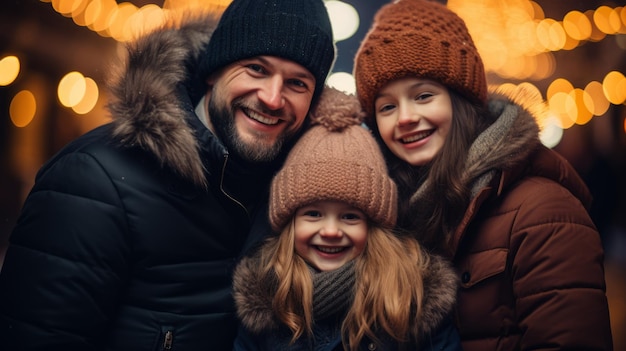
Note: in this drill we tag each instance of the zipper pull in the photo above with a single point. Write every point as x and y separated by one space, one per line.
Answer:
167 342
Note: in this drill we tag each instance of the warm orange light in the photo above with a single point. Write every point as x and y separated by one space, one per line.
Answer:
559 85
71 89
117 21
90 98
9 70
78 13
537 10
614 86
22 109
563 106
581 99
596 34
545 66
143 21
600 103
67 7
607 20
577 25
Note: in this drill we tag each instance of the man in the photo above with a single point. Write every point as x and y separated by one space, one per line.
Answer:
128 239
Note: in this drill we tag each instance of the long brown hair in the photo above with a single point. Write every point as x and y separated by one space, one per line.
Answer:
440 209
387 294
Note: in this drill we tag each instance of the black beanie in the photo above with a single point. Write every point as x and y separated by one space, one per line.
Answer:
296 30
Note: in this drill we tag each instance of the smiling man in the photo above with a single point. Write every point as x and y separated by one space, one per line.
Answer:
256 105
129 237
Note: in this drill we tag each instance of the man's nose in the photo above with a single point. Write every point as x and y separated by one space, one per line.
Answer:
271 93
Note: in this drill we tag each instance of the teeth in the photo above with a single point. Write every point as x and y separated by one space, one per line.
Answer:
257 117
330 250
417 137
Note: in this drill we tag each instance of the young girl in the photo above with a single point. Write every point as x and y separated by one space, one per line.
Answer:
476 183
336 277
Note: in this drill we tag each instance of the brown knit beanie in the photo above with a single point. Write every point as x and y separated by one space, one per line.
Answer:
336 159
423 39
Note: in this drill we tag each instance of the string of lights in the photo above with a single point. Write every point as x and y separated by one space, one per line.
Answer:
514 38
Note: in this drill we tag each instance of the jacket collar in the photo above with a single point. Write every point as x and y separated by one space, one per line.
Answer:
254 297
509 150
152 96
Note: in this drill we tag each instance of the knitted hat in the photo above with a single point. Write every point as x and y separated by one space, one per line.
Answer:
336 159
422 39
296 30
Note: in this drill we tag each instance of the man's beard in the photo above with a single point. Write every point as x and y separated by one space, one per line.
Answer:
258 151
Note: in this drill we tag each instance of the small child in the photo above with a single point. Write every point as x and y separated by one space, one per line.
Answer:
336 277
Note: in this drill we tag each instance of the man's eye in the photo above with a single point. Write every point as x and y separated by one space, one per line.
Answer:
256 67
298 82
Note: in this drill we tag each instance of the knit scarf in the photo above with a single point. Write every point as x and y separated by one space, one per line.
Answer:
332 290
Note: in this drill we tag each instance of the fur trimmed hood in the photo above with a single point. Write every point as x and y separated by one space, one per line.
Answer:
254 297
151 94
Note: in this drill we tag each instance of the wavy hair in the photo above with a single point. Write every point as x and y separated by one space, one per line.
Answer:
388 292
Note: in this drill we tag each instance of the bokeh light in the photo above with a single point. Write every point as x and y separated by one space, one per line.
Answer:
600 103
342 81
614 86
552 133
22 109
90 98
9 70
71 89
577 25
344 19
581 100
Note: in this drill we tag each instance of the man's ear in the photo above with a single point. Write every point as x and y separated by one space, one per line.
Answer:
210 81
212 78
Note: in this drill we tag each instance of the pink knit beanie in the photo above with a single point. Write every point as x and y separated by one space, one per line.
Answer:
336 159
423 39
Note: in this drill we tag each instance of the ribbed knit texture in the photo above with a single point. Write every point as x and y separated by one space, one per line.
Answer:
422 39
332 290
296 30
334 161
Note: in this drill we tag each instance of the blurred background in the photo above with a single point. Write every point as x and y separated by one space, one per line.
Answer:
55 57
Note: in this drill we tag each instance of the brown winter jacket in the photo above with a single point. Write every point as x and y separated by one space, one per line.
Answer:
529 257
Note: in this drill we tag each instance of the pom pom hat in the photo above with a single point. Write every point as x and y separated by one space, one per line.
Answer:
423 39
336 159
296 30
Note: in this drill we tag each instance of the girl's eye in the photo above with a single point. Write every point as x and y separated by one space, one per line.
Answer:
352 216
385 108
312 213
423 96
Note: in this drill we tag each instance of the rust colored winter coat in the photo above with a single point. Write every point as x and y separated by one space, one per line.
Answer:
528 255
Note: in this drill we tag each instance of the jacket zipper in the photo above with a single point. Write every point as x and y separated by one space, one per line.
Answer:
168 339
224 191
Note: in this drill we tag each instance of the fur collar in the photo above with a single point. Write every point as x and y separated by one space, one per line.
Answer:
150 102
254 298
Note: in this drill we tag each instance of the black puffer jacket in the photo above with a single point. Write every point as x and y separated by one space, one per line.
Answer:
128 239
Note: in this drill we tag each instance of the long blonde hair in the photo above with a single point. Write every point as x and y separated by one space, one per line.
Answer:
387 294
